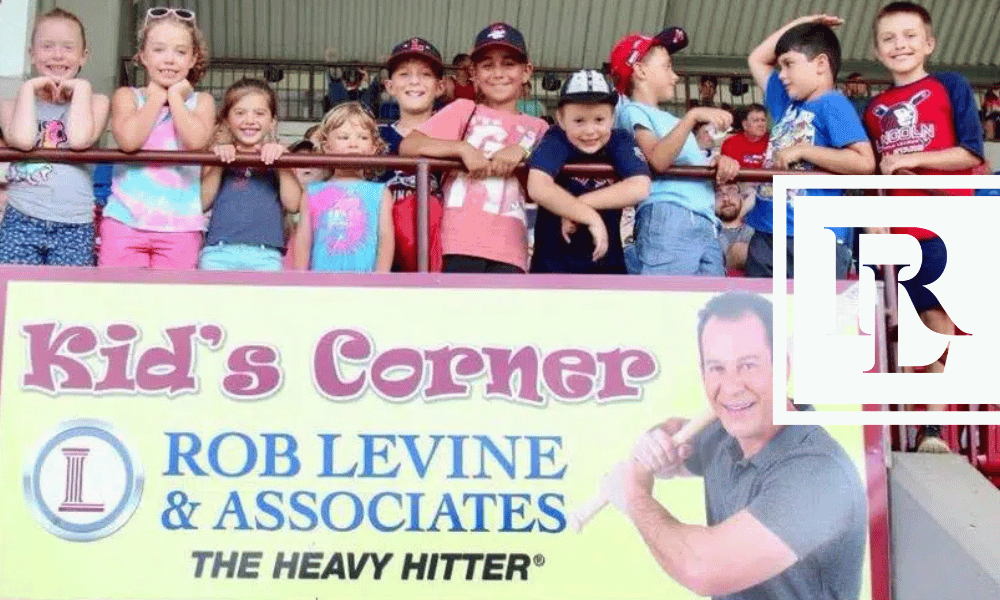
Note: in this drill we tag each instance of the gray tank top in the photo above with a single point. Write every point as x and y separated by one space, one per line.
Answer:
52 191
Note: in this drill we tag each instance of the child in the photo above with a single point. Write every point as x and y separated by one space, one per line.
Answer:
248 204
675 227
816 127
346 222
926 124
415 71
484 228
154 217
584 135
305 176
49 219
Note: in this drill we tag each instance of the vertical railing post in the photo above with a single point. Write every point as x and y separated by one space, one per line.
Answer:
423 217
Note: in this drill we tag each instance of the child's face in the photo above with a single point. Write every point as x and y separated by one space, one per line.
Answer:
801 77
902 43
57 49
168 54
307 175
250 120
350 138
703 136
657 70
587 126
414 86
500 75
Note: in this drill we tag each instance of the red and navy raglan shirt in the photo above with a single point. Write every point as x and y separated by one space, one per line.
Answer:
934 113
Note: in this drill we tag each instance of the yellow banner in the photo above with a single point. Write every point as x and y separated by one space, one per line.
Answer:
171 440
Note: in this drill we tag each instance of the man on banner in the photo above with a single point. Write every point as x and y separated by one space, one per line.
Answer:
786 507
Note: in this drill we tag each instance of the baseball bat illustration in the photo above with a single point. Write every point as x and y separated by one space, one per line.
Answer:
589 510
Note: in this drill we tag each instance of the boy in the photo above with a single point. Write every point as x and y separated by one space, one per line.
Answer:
927 124
676 226
815 128
415 82
484 229
584 134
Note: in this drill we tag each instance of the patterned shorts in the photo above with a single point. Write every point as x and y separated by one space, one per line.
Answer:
26 240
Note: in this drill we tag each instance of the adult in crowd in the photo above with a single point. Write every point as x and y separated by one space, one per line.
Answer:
749 146
732 201
460 84
858 93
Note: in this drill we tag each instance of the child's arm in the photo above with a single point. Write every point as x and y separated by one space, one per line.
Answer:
289 189
386 234
302 244
130 126
662 152
949 159
211 175
194 128
763 59
544 190
421 144
18 118
854 159
627 192
88 114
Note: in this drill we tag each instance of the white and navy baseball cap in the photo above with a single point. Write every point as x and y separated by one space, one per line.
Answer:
588 86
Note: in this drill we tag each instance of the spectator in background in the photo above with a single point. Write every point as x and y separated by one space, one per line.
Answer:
749 146
460 85
528 105
991 112
732 202
351 84
857 92
706 90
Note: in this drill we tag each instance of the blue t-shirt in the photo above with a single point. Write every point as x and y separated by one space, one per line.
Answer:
829 121
247 209
552 254
696 195
345 218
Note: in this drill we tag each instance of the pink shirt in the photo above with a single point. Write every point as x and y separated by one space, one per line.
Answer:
485 217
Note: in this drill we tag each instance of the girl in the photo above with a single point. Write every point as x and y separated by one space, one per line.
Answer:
484 229
49 219
245 232
154 217
346 222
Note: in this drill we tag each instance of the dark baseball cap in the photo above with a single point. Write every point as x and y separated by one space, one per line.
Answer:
416 48
588 87
503 35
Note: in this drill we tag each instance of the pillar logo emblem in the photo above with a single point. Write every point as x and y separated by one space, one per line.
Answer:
83 481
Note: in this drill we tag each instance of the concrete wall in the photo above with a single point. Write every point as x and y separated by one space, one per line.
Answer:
945 529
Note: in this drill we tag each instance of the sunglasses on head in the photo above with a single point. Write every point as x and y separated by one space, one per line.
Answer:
160 12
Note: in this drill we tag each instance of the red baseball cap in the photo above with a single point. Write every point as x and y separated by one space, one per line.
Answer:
631 48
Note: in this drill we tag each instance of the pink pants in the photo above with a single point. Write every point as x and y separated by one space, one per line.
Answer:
123 246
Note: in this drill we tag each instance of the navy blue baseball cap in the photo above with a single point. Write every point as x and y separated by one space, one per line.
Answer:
502 35
416 48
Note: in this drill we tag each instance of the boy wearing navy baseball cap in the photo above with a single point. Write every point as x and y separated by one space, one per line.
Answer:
675 226
585 134
415 82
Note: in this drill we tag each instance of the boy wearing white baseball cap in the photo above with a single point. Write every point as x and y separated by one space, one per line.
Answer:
585 134
676 226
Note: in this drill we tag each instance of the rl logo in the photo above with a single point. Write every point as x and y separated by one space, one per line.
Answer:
829 362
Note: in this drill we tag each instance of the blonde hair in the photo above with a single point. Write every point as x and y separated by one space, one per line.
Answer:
60 13
199 47
350 111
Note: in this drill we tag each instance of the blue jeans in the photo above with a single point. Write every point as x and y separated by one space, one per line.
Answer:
672 240
25 240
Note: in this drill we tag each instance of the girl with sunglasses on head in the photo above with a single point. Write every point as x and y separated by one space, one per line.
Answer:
154 215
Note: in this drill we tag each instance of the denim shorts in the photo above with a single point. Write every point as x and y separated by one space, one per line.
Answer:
673 240
25 240
239 257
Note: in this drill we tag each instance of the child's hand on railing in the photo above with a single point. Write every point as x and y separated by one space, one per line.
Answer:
475 161
726 168
271 151
225 152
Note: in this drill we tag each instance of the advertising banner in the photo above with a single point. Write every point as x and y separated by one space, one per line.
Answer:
367 437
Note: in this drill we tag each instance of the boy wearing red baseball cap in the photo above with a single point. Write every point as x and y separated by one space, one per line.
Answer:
675 227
